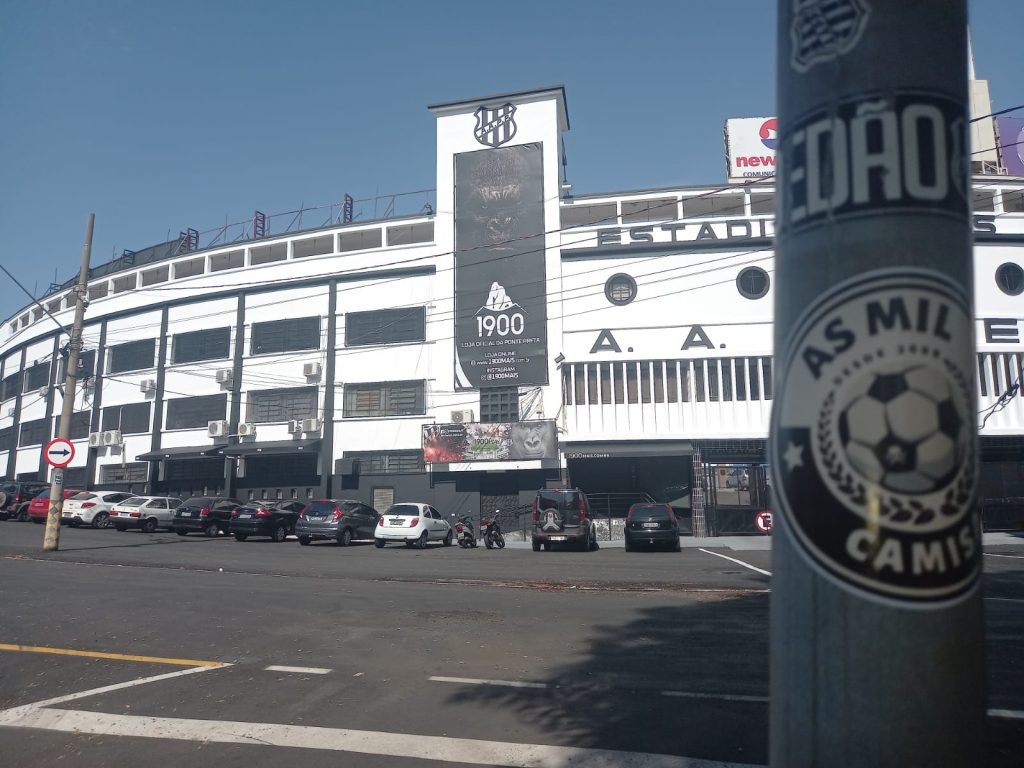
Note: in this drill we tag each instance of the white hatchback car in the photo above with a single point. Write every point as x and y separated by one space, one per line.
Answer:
91 507
413 524
145 512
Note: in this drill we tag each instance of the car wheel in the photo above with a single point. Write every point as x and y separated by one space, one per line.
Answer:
345 537
39 520
679 546
211 530
181 533
23 515
594 546
629 547
101 520
421 542
536 546
547 546
305 540
121 528
241 536
379 543
280 533
448 539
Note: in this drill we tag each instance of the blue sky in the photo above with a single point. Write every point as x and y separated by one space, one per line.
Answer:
162 116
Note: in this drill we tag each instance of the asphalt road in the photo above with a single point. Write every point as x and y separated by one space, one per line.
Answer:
405 657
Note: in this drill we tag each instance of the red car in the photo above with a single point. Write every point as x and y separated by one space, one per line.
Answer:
39 507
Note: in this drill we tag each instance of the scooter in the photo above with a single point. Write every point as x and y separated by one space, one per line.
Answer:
491 531
464 532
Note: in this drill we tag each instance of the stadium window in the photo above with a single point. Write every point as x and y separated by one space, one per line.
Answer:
208 344
9 386
698 381
37 377
1013 200
766 362
289 335
86 366
661 209
672 380
193 412
135 472
619 382
606 382
53 306
632 393
230 260
267 254
385 326
79 425
125 283
387 462
189 268
359 240
312 246
580 383
589 215
407 234
400 398
712 205
983 201
131 418
741 382
762 204
34 432
158 275
96 291
6 436
645 381
277 405
132 356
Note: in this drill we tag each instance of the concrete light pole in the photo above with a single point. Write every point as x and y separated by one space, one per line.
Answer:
876 627
51 538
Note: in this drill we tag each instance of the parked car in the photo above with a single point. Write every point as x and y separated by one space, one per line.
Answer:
145 512
208 515
412 523
39 507
562 515
91 507
652 524
339 519
15 496
275 519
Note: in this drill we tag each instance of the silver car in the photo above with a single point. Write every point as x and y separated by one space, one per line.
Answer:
145 512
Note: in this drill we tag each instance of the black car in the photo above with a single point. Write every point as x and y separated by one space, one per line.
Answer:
652 524
562 515
338 519
208 515
275 519
15 496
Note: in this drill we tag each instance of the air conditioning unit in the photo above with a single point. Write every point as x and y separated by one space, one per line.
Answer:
311 425
224 375
113 437
295 426
217 429
147 385
95 439
462 417
246 429
311 369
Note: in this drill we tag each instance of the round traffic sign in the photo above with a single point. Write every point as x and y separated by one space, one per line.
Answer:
764 521
59 452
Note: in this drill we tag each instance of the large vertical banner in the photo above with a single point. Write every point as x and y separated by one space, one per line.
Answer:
500 295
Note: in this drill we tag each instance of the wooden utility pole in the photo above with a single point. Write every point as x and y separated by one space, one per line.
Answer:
877 652
51 539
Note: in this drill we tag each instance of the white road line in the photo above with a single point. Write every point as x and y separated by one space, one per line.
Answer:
718 696
1011 714
1005 599
299 670
738 562
121 686
996 554
442 748
480 681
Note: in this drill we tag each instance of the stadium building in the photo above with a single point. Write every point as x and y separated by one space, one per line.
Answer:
510 335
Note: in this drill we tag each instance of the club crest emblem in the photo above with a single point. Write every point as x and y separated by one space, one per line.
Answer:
495 126
824 30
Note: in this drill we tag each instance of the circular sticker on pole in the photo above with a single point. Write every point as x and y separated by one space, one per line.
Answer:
872 447
59 452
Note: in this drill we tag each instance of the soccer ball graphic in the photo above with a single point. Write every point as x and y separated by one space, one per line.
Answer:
904 430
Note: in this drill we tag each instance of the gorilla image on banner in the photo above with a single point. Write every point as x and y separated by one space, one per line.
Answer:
500 295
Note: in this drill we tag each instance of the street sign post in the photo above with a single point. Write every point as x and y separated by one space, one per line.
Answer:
59 452
877 646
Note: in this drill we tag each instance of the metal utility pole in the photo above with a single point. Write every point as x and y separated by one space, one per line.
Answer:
51 539
876 612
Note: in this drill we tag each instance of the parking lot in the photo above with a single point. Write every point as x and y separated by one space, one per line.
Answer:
124 647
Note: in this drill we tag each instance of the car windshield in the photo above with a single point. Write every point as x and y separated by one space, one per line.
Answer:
403 509
9 488
320 508
558 499
200 501
43 494
134 501
658 511
82 496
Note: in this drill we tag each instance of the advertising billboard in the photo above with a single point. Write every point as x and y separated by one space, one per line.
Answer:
1011 140
500 441
750 147
500 297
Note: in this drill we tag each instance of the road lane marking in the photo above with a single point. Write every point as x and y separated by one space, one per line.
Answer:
718 696
738 562
996 554
114 687
298 670
104 655
1005 599
1010 714
440 748
481 681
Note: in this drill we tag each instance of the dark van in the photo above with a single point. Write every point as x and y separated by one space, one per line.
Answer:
562 515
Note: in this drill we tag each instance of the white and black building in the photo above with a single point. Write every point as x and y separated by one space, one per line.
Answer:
513 336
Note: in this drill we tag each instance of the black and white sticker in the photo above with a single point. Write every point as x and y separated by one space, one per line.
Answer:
873 450
824 30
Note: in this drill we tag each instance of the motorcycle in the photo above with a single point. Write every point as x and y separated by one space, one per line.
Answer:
464 532
491 532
